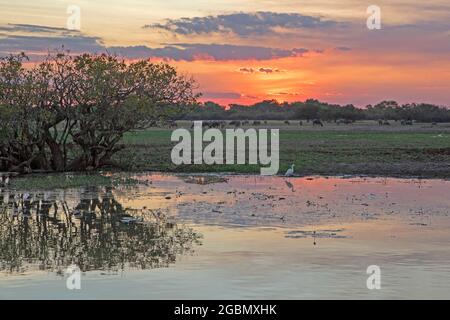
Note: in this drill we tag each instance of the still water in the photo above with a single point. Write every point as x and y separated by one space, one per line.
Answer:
228 237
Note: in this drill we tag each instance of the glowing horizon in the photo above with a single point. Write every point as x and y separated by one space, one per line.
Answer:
238 53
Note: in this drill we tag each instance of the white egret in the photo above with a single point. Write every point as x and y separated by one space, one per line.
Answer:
290 171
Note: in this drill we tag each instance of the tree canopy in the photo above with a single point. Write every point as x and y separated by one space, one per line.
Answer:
314 109
69 112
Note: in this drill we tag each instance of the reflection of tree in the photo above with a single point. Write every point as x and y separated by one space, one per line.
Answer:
97 234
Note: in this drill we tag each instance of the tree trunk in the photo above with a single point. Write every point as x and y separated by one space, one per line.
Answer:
57 157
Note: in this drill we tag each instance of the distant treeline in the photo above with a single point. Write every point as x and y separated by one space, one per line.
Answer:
314 109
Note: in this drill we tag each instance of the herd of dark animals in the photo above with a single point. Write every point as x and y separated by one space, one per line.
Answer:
221 124
403 123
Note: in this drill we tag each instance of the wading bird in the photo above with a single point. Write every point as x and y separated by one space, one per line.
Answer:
290 171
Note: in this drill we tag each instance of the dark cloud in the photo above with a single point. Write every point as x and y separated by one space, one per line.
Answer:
32 28
286 93
261 70
242 24
343 48
247 70
37 40
34 45
268 70
221 95
189 52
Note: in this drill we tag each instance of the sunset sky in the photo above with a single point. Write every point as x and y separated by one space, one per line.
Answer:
249 50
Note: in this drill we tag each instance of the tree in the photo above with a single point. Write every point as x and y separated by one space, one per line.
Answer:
21 138
70 112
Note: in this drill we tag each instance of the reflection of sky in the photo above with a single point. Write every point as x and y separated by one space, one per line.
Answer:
275 201
345 63
264 264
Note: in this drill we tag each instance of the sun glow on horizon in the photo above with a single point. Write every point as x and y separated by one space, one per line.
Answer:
241 54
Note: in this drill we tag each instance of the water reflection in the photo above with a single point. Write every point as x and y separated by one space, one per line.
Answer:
40 231
292 238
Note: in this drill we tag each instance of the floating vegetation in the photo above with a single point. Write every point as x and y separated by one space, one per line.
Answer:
204 180
295 234
66 181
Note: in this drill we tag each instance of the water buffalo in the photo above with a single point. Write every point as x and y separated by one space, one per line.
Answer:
317 122
214 124
344 121
406 122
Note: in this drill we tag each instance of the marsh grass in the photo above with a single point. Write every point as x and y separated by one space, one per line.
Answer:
355 149
360 149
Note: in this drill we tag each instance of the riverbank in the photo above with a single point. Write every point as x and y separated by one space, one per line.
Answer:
359 149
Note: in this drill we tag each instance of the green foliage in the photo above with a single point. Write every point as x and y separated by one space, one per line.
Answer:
69 112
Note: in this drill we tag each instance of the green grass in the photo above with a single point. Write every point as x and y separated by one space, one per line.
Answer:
64 181
347 151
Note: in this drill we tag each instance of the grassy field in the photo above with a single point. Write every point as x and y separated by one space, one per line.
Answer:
361 148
